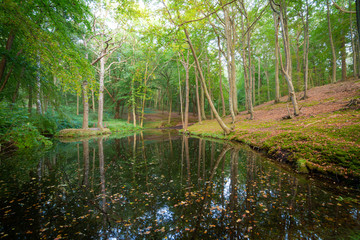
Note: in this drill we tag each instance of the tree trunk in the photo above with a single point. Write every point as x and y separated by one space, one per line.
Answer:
306 50
85 123
77 104
93 100
38 90
229 55
8 46
117 109
287 68
101 93
219 120
277 85
220 82
181 101
30 103
259 82
197 98
353 44
333 79
186 65
268 85
203 115
343 55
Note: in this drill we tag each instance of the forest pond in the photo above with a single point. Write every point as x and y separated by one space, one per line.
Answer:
166 186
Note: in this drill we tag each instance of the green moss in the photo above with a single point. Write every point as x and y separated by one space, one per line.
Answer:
327 143
74 133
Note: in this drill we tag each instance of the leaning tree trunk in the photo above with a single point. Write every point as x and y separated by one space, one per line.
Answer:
218 118
287 69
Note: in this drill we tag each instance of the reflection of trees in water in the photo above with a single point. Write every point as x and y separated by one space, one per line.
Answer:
225 192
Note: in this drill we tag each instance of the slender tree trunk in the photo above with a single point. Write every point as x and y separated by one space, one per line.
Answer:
203 115
186 65
353 44
287 69
268 85
117 109
181 100
358 23
343 56
306 50
77 104
259 82
247 71
187 91
93 100
85 123
170 100
101 93
30 103
277 85
229 55
8 46
333 79
38 90
219 120
220 82
15 94
197 98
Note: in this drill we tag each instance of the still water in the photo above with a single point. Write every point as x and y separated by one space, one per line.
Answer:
163 186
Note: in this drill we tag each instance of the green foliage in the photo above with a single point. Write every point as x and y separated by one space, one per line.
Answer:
26 136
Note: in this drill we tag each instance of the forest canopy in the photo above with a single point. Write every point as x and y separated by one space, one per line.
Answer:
116 59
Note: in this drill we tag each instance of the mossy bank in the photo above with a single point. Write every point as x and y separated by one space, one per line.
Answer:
326 144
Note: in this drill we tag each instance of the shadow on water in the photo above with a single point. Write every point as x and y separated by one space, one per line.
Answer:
166 186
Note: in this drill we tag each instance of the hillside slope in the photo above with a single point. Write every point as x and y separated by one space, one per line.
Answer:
325 138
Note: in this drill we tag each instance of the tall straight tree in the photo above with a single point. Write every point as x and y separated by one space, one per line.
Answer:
333 77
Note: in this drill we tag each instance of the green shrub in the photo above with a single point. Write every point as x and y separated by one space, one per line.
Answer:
26 136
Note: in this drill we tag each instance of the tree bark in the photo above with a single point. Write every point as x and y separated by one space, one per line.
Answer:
219 120
306 50
353 44
117 109
30 103
229 55
259 82
101 92
277 85
220 82
85 123
197 98
8 46
333 79
287 68
38 90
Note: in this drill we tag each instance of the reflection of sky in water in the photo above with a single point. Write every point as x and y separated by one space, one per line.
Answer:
164 214
227 189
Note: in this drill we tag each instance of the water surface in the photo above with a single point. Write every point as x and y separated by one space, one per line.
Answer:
163 186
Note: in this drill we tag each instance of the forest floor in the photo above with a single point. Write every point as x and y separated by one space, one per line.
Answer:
324 139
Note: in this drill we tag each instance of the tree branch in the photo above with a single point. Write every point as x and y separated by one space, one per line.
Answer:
342 9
